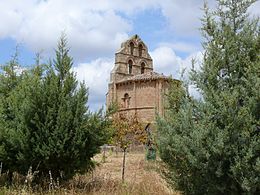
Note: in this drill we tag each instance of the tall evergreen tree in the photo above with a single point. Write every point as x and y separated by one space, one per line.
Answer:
9 80
53 129
212 145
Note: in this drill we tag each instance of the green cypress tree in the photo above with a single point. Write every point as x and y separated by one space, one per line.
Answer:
212 145
9 80
53 129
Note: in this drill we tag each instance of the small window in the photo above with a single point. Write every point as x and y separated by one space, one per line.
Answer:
140 49
126 100
132 48
142 67
130 66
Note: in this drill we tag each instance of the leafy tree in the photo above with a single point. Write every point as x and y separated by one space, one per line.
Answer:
127 130
51 128
212 145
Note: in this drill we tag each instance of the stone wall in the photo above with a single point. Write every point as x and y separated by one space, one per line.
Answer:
145 96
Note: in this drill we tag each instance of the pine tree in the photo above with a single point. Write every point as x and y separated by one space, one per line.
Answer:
9 81
52 130
212 145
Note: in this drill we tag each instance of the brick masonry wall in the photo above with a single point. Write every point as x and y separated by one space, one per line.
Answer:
146 97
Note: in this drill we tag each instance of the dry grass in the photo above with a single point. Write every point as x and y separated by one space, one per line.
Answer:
141 177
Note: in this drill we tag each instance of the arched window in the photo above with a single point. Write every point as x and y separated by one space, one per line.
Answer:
126 100
140 49
130 66
142 67
132 48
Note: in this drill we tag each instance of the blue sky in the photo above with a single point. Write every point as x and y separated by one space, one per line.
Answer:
95 30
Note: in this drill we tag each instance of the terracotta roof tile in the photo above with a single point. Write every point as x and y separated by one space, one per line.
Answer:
145 76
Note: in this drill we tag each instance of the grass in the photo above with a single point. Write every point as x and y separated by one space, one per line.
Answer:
141 177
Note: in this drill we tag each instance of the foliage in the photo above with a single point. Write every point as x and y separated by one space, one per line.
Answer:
212 145
45 122
127 130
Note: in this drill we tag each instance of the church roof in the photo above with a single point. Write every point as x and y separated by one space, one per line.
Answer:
145 76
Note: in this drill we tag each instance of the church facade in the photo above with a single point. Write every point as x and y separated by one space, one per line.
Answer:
134 86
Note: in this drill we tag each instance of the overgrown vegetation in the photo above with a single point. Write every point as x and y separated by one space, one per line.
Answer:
45 124
212 145
142 178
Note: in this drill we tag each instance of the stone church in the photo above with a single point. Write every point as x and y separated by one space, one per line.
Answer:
134 86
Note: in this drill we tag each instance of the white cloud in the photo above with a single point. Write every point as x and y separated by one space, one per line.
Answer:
94 28
181 46
166 61
92 31
183 16
193 61
193 91
96 76
254 9
186 64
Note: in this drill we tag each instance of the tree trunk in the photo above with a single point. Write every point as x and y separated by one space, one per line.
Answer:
123 169
10 178
104 154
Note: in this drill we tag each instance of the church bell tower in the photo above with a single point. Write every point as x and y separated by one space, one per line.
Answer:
131 59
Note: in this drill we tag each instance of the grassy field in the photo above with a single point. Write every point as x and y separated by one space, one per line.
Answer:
141 177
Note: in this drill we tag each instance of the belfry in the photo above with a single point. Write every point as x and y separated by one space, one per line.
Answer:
134 86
